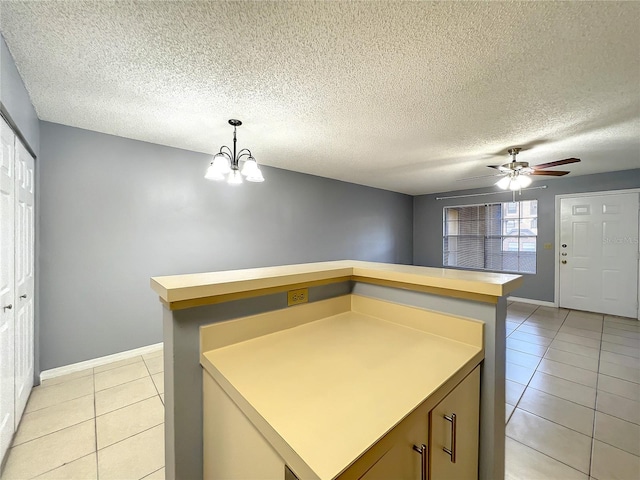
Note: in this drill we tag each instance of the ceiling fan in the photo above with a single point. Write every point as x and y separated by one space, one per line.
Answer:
516 175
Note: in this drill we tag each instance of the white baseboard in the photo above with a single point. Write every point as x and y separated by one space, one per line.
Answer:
96 362
542 303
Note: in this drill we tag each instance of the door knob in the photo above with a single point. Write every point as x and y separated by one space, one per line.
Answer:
564 245
7 307
564 261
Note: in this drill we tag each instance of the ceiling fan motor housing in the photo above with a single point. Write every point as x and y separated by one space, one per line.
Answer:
516 165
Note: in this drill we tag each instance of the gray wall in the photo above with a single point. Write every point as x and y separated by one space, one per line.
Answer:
15 99
116 211
427 225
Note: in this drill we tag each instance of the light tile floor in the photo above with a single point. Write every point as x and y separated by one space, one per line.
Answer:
105 422
573 395
573 407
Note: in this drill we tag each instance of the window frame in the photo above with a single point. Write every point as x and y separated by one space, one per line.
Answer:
485 238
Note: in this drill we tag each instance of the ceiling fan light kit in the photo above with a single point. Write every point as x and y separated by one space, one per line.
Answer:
514 182
226 163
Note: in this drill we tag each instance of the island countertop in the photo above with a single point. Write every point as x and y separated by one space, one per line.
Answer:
331 388
180 291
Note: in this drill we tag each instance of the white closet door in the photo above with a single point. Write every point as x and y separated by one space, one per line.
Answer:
7 292
24 277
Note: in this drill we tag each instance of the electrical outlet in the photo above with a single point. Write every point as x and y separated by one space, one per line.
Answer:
294 297
548 246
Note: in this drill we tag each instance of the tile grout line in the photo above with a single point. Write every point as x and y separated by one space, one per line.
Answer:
615 416
131 436
132 362
58 403
549 456
593 437
127 405
154 383
595 406
570 365
13 444
51 433
560 361
624 354
593 409
535 370
54 468
529 381
94 393
120 384
508 334
531 413
561 398
95 426
149 474
553 421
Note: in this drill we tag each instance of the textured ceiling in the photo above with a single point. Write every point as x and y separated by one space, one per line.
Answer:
405 96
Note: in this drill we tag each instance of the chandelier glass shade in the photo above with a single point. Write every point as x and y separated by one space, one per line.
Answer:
226 163
514 181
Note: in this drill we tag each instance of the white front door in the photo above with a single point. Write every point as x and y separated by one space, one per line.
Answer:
7 293
24 277
598 254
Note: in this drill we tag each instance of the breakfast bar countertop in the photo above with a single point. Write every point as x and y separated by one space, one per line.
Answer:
183 288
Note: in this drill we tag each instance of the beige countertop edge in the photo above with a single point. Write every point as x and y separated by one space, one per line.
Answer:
270 434
199 285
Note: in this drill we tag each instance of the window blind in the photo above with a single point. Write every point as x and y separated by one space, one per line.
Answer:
498 236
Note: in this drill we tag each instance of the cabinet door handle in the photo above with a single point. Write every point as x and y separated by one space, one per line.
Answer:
24 295
452 451
422 450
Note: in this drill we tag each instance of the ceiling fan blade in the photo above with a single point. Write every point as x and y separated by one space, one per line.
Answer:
502 168
556 163
552 173
481 176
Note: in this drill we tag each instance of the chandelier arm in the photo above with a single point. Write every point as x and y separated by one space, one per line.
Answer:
228 153
244 152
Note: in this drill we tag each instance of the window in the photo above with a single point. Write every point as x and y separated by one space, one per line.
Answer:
497 236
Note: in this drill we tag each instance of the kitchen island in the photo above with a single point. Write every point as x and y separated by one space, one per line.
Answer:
192 301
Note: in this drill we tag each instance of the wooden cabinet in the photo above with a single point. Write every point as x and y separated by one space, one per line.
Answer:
405 459
413 450
454 431
450 437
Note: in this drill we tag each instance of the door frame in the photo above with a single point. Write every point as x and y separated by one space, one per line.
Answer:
558 220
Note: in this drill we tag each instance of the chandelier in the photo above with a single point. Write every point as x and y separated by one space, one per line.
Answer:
226 164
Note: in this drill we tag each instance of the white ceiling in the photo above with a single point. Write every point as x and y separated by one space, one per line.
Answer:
405 96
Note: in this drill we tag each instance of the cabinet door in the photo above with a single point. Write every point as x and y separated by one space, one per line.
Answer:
459 409
402 461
